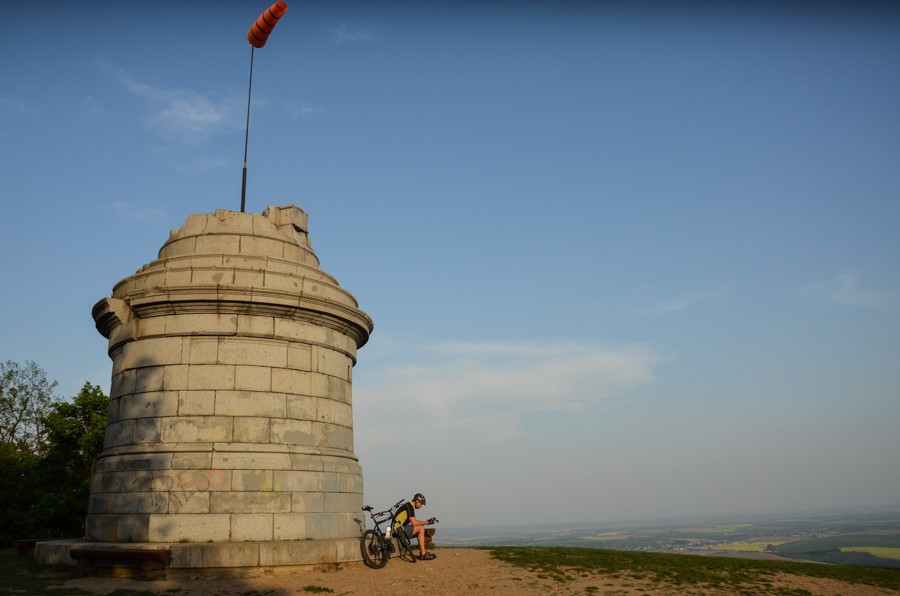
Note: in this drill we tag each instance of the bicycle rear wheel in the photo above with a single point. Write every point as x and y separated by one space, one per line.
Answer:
374 549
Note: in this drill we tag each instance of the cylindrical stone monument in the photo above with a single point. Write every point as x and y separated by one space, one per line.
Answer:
230 433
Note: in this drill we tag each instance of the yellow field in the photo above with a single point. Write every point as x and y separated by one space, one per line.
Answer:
746 547
879 551
609 536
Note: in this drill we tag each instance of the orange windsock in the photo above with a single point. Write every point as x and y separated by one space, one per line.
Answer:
259 32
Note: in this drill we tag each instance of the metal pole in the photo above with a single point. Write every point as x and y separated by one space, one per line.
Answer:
247 135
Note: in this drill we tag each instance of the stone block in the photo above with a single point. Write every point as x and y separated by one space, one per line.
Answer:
251 461
102 528
343 502
146 430
200 350
151 378
299 331
176 378
251 480
252 378
212 277
189 527
308 502
133 528
305 552
300 407
331 525
251 430
217 555
333 412
196 429
122 384
299 481
299 357
150 327
292 432
138 502
210 376
218 245
112 411
201 323
196 403
251 526
250 502
192 460
253 352
289 526
305 461
258 246
155 351
175 248
255 325
333 363
144 405
118 433
188 502
249 278
250 403
288 380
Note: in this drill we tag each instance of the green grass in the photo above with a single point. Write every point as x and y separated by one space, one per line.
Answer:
671 570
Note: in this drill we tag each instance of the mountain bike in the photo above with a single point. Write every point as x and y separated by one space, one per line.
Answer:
377 545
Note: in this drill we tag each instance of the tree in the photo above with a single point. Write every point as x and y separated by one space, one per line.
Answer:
26 397
75 433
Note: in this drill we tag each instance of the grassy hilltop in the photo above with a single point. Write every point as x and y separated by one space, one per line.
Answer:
679 573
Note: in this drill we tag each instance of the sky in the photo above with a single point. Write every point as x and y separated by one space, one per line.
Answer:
625 260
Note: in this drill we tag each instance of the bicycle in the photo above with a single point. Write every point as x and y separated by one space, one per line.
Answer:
377 545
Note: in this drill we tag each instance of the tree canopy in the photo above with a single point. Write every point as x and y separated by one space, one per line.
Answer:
47 450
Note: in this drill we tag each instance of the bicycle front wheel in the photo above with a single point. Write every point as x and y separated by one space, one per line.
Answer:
374 549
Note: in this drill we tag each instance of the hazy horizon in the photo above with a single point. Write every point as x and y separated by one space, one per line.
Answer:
624 260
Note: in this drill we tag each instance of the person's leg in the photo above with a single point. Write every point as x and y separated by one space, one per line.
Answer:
419 533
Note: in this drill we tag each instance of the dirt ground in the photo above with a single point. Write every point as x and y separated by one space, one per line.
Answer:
454 571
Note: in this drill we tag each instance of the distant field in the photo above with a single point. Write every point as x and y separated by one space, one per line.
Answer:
879 551
609 536
726 529
746 547
891 541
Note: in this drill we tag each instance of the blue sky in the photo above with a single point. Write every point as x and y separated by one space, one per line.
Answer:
625 260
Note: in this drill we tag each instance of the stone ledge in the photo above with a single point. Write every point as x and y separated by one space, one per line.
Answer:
243 557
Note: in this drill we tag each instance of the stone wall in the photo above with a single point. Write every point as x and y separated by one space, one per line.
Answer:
230 413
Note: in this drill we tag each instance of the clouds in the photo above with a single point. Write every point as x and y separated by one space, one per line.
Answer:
485 389
183 115
343 33
686 301
847 288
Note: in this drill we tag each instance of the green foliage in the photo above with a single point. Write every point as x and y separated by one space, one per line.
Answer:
26 397
45 472
674 570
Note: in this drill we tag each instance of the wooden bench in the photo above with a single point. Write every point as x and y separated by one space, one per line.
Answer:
150 562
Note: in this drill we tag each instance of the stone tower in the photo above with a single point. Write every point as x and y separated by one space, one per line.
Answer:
230 433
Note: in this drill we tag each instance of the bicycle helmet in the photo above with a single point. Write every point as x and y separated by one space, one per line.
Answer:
420 497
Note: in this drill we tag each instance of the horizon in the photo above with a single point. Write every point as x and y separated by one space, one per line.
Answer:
623 259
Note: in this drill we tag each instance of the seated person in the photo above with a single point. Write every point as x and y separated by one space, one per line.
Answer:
405 517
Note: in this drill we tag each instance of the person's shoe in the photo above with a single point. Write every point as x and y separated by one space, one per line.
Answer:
427 557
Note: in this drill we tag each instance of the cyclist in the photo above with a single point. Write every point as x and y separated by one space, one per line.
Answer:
406 518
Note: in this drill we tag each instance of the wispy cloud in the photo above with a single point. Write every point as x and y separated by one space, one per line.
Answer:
182 114
345 34
14 105
485 389
686 301
128 211
846 288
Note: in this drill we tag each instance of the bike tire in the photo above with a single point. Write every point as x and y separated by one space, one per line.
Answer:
374 549
406 551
